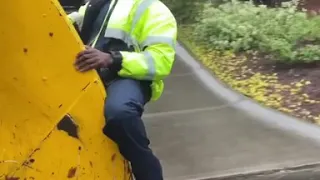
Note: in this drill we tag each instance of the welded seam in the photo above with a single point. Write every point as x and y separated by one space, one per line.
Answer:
48 135
23 164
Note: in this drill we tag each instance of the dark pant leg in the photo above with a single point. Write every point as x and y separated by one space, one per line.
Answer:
123 111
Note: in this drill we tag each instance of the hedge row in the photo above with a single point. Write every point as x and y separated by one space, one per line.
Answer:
285 34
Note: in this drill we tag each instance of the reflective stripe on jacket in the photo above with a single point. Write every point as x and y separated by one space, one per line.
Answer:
150 28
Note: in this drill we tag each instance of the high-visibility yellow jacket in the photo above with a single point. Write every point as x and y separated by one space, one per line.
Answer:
150 28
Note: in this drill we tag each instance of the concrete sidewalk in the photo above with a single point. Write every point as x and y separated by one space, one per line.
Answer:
199 134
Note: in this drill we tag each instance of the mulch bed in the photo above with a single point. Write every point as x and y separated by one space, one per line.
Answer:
291 75
305 103
294 89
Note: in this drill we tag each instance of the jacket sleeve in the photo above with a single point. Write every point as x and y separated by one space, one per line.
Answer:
157 41
77 17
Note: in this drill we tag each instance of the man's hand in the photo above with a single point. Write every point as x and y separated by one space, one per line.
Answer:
92 58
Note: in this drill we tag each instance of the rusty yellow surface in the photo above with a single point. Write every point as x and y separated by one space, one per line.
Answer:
51 117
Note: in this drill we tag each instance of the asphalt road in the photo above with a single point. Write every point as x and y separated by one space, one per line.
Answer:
199 132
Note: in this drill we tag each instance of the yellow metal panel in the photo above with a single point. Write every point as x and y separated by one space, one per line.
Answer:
51 116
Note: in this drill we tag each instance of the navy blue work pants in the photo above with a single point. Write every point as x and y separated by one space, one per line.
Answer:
123 110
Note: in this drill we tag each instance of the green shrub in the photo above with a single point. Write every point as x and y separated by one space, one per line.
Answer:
284 33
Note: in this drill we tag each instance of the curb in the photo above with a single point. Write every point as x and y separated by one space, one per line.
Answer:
266 115
269 117
308 171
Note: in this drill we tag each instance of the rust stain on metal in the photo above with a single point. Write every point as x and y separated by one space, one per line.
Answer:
28 162
12 178
113 157
37 149
25 50
85 87
68 125
72 172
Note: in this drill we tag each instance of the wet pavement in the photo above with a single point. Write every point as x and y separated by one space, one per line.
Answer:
198 134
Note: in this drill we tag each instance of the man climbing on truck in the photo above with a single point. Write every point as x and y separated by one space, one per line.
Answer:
131 43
